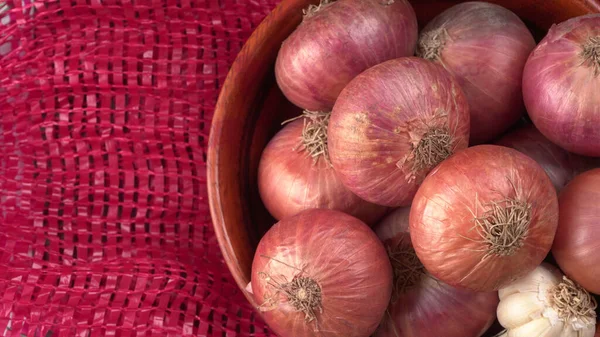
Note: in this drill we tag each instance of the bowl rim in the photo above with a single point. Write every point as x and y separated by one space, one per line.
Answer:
280 22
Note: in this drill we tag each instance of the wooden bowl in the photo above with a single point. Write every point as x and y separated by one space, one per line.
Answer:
251 107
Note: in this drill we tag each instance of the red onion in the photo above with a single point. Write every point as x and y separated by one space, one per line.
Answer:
597 330
484 217
485 46
321 273
392 124
561 82
295 173
421 305
359 33
578 237
560 165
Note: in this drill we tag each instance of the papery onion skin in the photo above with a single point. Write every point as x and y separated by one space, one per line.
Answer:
485 47
443 217
290 181
359 33
343 256
431 308
560 165
560 88
577 245
382 116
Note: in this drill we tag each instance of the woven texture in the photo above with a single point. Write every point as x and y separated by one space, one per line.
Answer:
105 111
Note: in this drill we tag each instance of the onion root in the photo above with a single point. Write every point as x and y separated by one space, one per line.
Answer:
504 226
314 134
431 143
572 302
591 53
314 9
432 43
302 292
407 269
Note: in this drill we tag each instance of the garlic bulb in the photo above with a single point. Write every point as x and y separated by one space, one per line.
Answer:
545 303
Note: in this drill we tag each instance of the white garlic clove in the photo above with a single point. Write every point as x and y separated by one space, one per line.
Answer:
519 309
568 331
530 283
536 328
587 332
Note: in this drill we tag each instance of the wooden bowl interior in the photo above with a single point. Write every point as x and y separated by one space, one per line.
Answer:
251 108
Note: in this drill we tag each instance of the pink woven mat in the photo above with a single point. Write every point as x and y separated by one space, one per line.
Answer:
105 109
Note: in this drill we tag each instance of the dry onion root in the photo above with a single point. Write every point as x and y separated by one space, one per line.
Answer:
314 134
546 303
295 173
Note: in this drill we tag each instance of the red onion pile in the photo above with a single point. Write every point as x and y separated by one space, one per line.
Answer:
485 46
389 115
421 305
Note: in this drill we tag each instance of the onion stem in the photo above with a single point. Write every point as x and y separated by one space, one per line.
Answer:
432 43
591 53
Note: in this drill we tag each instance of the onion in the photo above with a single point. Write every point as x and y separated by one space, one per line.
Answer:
578 236
561 82
392 124
597 330
421 305
295 173
484 217
338 40
321 273
560 165
485 46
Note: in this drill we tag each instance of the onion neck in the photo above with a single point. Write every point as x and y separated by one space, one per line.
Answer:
591 54
433 148
408 269
573 303
314 134
304 294
311 10
504 226
431 44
